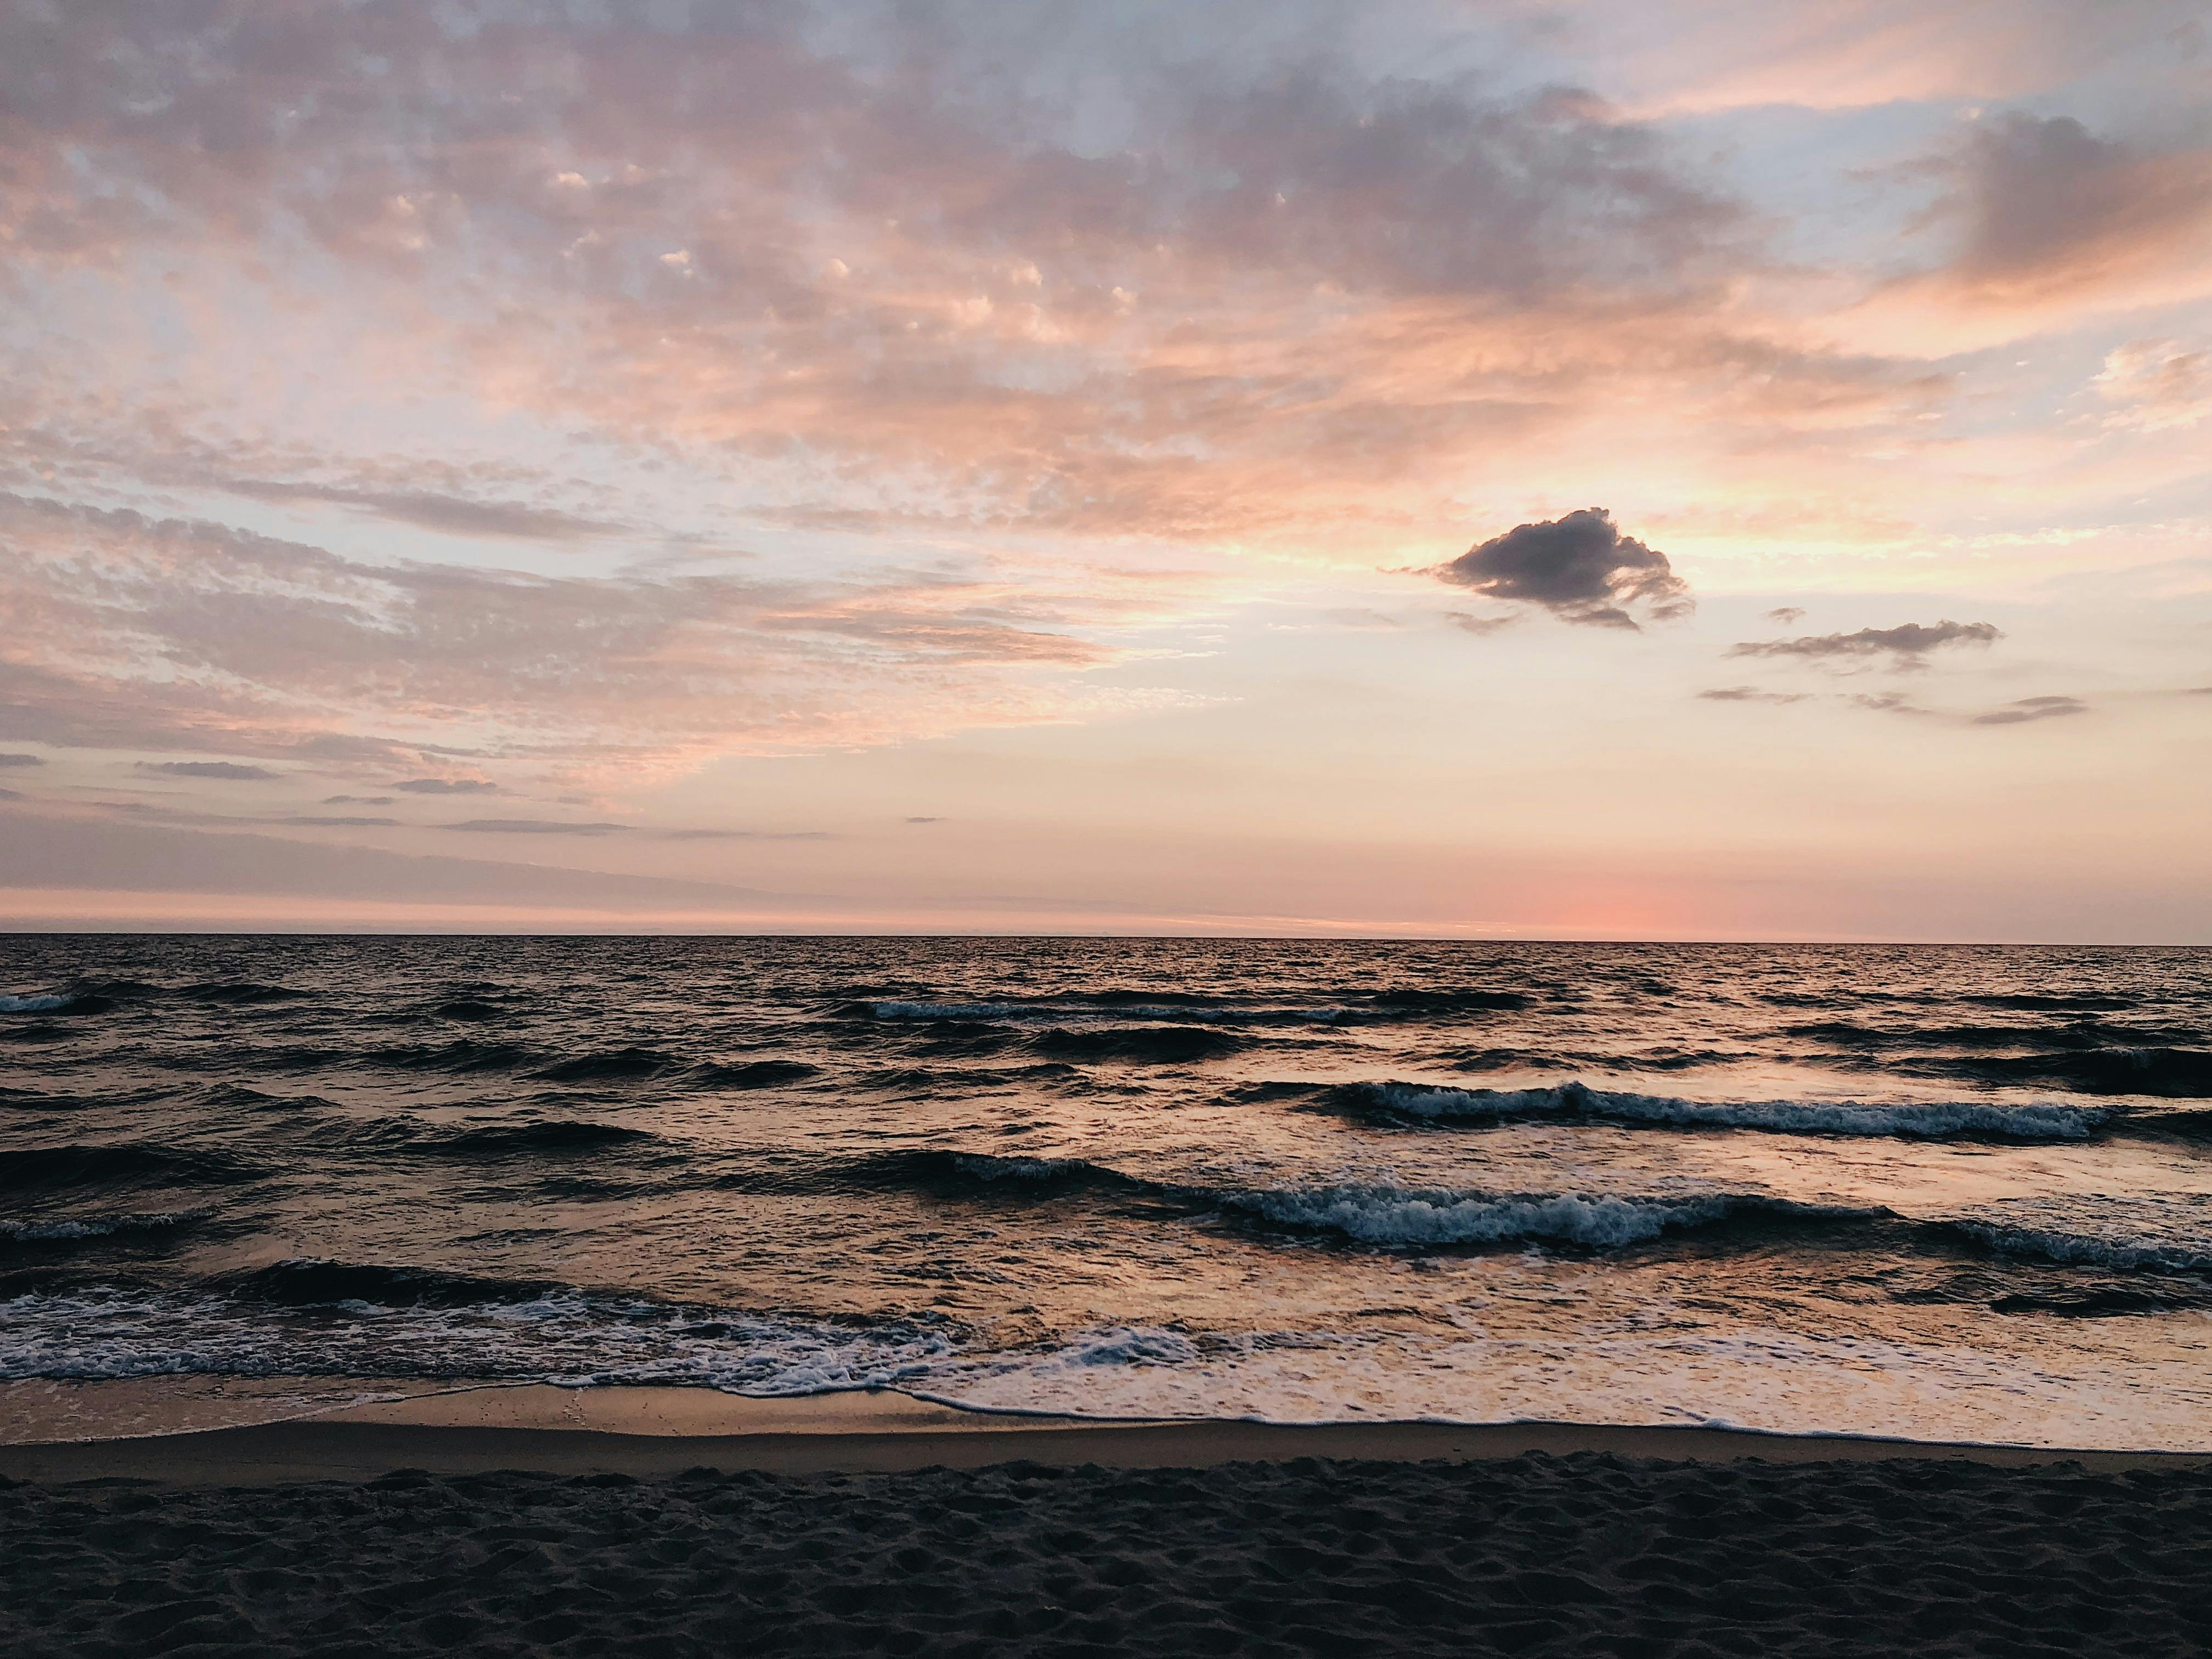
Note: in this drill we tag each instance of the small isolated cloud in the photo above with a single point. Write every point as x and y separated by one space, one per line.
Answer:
1467 621
1752 694
229 771
1786 614
21 760
2033 709
1908 644
356 800
1580 568
537 826
341 823
919 820
11 794
448 786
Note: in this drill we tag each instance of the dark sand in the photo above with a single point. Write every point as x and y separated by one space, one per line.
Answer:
1110 1540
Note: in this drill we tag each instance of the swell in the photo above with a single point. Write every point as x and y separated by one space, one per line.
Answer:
1572 1101
2155 1237
1322 1007
1376 1213
2158 1070
49 1168
2082 1035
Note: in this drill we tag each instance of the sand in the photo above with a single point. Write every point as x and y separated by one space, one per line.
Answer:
669 1521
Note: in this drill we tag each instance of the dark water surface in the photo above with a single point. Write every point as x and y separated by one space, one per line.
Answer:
1962 1193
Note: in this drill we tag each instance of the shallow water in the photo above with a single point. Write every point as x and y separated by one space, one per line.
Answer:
1940 1191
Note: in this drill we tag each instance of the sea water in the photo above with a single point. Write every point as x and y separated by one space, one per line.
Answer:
1941 1193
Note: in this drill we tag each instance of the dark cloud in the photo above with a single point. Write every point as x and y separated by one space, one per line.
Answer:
340 823
1785 614
1580 568
11 794
1908 643
537 826
447 787
21 760
356 800
231 771
2044 203
1751 694
2033 709
452 515
919 820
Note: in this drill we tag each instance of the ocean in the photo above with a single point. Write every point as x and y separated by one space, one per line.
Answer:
1940 1193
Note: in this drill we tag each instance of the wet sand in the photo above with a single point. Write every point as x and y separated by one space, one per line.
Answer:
676 1521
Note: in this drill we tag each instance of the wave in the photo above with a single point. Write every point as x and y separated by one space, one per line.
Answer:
1451 1002
2045 1002
2167 1235
1384 1213
1199 1008
466 1009
313 1317
2085 1035
35 1169
44 1003
313 1282
62 1229
1158 1045
2156 1069
1913 1119
1159 1008
614 1064
1400 1215
527 1139
457 1057
750 1074
244 992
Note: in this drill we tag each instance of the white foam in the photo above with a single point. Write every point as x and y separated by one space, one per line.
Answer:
31 1005
2038 1120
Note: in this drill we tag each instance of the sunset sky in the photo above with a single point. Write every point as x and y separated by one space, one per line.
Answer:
1618 470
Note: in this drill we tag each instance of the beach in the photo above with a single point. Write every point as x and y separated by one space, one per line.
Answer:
619 1521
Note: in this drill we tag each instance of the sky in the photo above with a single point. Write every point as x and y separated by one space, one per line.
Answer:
1441 467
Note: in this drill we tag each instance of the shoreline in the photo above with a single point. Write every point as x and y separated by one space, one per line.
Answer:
660 1431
